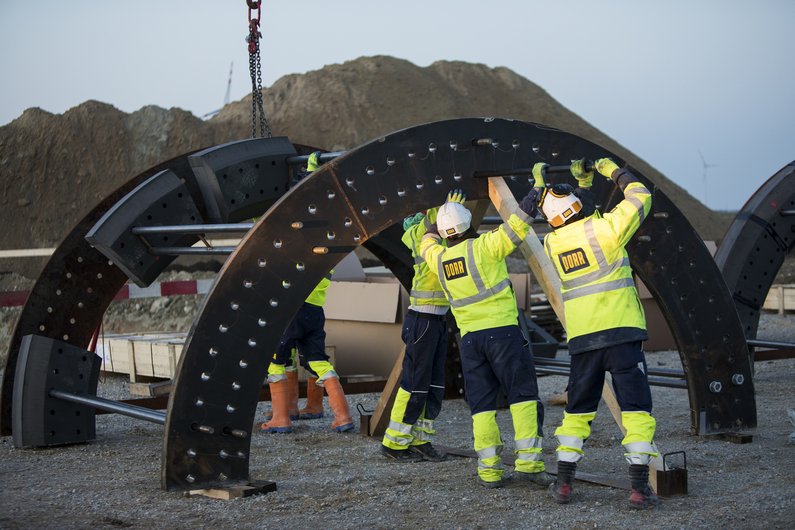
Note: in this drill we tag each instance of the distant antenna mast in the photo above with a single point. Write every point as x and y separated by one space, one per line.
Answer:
705 166
229 84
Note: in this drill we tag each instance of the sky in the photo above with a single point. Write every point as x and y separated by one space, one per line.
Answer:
703 90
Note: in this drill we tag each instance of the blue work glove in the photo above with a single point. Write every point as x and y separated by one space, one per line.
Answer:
314 161
606 167
529 203
412 220
584 178
456 196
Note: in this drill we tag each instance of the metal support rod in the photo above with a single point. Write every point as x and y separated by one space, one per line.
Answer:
193 229
324 157
558 363
527 171
132 411
770 343
787 213
653 381
191 251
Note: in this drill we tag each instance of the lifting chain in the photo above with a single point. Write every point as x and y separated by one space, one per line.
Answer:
255 69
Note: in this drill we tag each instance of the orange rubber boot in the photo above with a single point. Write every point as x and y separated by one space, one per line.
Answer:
339 405
292 395
280 422
314 401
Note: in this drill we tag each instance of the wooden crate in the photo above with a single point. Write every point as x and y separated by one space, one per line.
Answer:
153 356
780 298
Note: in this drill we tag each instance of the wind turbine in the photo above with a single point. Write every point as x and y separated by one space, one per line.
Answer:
705 166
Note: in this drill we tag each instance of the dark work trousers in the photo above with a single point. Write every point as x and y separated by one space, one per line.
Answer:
626 364
306 333
496 357
425 336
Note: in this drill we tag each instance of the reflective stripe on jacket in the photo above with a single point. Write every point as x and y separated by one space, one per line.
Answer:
597 287
425 288
474 276
318 295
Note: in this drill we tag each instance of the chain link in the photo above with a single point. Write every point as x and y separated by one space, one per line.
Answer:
255 71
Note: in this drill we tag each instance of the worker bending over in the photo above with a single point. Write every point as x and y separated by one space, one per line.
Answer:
306 336
474 277
605 324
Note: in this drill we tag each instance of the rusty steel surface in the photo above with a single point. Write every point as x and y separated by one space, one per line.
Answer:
756 243
73 290
362 193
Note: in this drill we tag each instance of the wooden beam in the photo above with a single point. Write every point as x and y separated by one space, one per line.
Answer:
380 418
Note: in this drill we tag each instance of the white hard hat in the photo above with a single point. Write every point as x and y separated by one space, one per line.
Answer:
453 219
560 205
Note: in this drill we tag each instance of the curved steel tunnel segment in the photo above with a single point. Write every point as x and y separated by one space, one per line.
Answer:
355 197
756 244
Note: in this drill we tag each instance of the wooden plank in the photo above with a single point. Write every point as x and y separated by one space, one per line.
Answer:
531 248
236 492
548 278
380 418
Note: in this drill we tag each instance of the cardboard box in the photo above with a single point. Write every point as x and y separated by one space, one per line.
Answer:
780 298
660 336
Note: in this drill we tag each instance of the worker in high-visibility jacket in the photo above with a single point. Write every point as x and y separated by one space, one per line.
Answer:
494 354
419 397
605 324
305 338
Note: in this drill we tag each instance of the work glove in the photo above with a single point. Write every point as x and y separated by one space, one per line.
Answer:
605 166
539 171
412 220
456 196
529 203
584 178
314 161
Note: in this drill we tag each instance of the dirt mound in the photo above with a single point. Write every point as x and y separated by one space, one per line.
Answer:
55 168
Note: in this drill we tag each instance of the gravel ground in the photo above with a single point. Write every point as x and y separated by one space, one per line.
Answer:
339 480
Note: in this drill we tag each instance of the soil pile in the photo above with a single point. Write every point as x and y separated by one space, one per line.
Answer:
56 168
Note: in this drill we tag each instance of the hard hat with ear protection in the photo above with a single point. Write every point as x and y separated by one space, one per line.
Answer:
559 205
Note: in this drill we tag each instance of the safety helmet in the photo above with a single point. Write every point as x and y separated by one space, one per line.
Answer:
560 205
453 219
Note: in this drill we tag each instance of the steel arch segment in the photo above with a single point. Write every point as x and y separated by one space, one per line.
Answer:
73 290
756 244
342 205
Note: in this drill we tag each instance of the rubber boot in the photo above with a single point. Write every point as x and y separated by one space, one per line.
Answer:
561 488
339 405
642 496
280 422
314 401
292 395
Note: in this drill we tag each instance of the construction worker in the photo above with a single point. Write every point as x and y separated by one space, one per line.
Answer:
419 397
306 337
605 323
474 277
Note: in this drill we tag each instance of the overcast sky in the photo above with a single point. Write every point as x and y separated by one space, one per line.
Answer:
666 79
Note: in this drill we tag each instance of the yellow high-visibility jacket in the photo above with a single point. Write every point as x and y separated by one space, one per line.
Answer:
600 300
425 288
474 276
318 295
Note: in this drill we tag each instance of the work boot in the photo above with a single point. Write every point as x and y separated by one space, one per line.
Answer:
490 484
292 395
339 405
314 401
562 487
428 452
400 455
540 478
642 496
280 422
